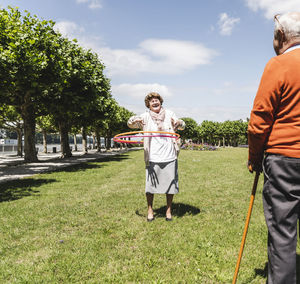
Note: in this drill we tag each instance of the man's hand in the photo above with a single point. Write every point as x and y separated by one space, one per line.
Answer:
253 167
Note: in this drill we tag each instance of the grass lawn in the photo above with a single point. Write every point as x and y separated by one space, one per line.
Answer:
87 224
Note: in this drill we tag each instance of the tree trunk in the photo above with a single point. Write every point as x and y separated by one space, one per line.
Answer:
94 141
64 140
84 140
108 143
105 143
44 140
75 143
20 146
29 130
98 138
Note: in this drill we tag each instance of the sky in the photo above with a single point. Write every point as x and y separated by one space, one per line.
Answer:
204 57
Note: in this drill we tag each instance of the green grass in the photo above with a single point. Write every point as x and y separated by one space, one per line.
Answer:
87 224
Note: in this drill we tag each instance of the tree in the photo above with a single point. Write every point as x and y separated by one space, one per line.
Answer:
190 131
11 120
209 131
45 124
43 73
26 45
80 88
115 122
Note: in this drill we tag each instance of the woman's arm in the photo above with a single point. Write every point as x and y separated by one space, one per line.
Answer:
178 124
136 122
181 124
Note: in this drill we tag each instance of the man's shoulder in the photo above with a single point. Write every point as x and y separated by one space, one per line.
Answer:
274 63
286 57
284 61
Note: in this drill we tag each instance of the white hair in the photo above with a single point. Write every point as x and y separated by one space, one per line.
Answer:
289 23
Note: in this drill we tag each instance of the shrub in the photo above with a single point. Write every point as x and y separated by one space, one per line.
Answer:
199 147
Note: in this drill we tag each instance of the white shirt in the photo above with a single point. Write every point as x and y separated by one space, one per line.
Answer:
162 148
292 48
157 149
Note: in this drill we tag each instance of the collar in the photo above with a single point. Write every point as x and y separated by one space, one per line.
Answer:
292 48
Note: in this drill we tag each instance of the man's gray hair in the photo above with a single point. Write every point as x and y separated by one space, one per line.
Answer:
289 23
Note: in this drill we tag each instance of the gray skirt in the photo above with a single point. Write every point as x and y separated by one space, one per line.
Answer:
162 177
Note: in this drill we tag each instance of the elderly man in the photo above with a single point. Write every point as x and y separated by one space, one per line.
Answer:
274 134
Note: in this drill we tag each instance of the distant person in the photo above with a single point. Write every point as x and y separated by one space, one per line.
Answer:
274 145
160 153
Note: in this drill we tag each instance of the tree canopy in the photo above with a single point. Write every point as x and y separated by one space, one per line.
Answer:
43 74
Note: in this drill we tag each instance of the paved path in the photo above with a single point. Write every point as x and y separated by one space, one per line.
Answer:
13 167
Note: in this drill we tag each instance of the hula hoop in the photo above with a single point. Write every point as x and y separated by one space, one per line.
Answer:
119 138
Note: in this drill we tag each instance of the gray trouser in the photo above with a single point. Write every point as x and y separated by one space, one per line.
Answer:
281 199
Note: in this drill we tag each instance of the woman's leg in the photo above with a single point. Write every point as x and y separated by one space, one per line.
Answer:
149 197
169 206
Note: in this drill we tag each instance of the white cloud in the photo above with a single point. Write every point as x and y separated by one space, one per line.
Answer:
226 24
273 7
210 106
92 4
229 88
160 56
213 113
67 28
71 30
139 90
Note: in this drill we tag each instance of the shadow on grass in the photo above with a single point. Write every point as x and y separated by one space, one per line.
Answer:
116 158
87 165
76 167
178 209
264 272
298 268
17 189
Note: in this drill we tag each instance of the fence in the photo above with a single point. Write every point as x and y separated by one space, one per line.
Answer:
8 148
51 148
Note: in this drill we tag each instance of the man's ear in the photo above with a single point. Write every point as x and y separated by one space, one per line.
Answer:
279 40
281 36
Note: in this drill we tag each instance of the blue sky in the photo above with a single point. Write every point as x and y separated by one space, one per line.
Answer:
204 57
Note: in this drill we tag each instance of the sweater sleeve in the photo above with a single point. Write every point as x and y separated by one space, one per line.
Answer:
181 122
264 110
134 121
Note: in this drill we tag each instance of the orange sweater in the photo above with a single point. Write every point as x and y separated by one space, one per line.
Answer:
274 125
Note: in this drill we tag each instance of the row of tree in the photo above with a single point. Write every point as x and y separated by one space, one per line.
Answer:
50 82
228 133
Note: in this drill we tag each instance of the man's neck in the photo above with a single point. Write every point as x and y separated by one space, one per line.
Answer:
289 44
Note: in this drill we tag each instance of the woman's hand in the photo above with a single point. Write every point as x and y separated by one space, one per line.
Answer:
135 122
139 121
175 124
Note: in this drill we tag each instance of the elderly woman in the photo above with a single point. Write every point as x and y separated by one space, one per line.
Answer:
160 153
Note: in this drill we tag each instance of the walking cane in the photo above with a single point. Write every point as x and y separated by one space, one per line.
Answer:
246 227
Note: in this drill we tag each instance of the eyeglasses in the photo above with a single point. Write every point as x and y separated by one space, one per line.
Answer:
277 20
